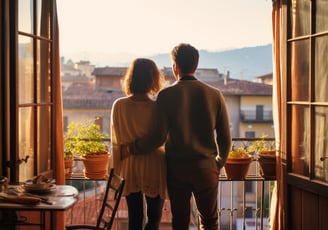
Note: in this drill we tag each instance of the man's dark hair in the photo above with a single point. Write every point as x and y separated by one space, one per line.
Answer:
186 56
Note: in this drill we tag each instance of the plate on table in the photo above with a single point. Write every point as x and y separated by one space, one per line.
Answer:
39 188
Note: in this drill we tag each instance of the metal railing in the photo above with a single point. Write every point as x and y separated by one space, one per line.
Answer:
242 204
254 116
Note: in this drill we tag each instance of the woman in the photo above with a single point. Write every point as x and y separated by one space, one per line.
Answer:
145 174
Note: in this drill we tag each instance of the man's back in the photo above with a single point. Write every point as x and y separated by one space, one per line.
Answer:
192 110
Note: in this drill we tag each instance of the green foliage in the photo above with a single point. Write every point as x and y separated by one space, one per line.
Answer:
261 145
238 152
84 138
68 154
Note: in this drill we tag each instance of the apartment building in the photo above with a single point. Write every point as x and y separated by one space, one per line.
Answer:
249 103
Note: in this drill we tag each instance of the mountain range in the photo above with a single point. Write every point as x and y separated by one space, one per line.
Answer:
242 63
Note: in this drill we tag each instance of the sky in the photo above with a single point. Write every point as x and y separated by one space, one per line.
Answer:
149 27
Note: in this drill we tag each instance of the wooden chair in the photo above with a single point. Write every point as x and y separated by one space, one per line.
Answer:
107 213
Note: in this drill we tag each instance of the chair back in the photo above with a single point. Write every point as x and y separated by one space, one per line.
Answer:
111 201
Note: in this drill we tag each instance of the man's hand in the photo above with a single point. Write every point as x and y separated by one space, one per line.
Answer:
124 151
219 162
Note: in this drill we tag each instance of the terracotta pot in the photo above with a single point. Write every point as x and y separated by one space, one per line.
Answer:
267 163
68 167
96 166
237 168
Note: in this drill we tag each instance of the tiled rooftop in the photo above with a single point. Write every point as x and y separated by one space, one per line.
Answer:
242 88
85 95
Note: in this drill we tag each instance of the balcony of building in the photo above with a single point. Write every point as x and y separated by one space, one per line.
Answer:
255 116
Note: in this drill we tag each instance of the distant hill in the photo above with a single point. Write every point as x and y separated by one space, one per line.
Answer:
244 63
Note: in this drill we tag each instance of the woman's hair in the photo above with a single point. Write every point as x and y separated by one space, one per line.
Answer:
142 76
186 56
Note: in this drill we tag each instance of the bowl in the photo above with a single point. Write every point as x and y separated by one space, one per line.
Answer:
38 188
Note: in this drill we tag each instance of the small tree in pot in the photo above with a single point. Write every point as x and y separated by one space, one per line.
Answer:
87 141
68 161
266 155
68 154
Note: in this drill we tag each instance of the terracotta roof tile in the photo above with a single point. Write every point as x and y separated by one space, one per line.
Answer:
84 95
242 88
109 71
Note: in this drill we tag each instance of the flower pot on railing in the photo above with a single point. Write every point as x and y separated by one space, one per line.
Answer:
237 164
266 156
95 165
267 161
68 167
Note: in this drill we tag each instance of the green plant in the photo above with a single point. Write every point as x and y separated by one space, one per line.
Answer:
68 146
261 146
84 138
240 152
68 154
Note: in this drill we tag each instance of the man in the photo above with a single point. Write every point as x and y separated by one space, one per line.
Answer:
193 123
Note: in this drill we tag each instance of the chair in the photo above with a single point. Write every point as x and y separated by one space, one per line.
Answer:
107 213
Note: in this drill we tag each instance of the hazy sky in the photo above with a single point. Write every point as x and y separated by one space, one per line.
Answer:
146 27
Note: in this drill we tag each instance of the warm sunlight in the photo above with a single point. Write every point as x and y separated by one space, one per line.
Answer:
147 27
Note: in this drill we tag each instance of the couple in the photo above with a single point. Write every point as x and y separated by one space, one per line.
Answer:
190 119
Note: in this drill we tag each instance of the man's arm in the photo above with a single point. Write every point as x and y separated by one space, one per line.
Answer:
223 135
155 138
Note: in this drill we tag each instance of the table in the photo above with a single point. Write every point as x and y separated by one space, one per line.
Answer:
62 197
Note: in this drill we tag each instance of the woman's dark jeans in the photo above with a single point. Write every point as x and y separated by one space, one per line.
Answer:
136 211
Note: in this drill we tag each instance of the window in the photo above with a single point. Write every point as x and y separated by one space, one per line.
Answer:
259 112
250 134
33 87
306 86
249 186
249 212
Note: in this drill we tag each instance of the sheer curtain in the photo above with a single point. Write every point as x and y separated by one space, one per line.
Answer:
277 218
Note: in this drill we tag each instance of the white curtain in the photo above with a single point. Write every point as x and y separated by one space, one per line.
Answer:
277 217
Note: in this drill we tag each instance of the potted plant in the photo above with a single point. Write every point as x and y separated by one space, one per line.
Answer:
266 155
86 140
68 162
68 154
237 164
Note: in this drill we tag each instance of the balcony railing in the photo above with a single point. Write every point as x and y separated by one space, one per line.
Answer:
242 204
256 117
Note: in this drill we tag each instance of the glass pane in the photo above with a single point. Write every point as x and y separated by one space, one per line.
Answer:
43 18
300 18
300 139
26 73
321 16
25 16
299 83
321 143
321 66
26 134
44 138
43 76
